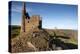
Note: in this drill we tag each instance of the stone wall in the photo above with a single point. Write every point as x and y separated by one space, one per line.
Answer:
32 23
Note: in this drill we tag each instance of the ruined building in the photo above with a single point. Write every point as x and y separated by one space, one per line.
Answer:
30 23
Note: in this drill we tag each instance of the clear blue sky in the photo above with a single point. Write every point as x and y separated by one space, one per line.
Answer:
61 16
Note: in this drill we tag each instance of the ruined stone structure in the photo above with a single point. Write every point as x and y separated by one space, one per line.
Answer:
30 23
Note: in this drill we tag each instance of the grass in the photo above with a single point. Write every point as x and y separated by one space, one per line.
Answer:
41 40
73 34
73 41
15 31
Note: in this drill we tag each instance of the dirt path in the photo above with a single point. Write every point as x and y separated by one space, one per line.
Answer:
31 46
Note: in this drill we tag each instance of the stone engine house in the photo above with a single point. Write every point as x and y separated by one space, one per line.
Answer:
30 23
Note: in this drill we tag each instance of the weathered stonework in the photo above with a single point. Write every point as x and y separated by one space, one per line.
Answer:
30 23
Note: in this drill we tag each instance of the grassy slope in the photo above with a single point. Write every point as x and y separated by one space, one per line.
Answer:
19 43
15 30
73 34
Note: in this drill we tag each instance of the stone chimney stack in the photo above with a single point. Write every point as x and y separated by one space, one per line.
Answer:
23 17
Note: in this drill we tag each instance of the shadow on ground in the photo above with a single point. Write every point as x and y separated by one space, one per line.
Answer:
55 43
